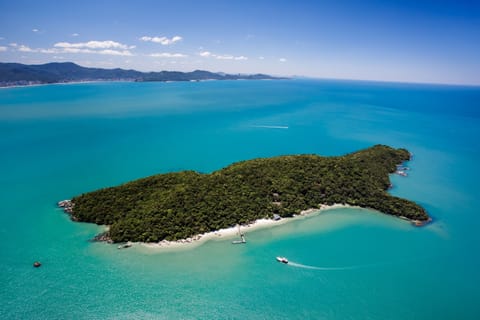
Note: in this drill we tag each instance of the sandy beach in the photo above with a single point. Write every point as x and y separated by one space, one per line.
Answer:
233 232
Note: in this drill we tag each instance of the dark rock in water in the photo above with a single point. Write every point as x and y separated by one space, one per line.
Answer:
37 264
104 236
67 206
420 223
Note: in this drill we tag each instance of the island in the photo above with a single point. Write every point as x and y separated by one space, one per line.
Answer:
17 74
185 204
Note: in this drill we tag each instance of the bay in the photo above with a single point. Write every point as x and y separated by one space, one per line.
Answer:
58 141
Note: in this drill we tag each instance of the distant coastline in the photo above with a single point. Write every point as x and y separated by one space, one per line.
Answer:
21 75
57 83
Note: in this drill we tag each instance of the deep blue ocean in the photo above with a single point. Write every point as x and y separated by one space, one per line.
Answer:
57 141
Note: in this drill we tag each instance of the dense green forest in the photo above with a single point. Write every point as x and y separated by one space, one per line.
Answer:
182 204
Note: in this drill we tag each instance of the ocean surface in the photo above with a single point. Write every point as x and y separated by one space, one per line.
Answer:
57 141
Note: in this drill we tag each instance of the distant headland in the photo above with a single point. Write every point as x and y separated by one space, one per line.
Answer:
187 204
17 74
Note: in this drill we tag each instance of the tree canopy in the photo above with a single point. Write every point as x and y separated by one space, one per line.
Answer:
179 205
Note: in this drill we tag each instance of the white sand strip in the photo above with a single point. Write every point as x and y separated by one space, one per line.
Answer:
232 232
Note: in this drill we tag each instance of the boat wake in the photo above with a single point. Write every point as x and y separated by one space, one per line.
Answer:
298 265
363 266
270 127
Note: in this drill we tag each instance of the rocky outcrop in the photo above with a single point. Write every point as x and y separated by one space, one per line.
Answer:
102 237
67 206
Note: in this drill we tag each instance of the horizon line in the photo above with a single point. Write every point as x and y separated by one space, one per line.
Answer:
289 77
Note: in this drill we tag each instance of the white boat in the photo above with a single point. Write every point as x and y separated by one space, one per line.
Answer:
239 241
282 260
242 237
125 245
401 173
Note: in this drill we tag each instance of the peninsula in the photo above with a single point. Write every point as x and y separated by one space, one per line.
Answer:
16 74
183 204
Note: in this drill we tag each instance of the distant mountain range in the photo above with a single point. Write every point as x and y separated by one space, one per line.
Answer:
12 74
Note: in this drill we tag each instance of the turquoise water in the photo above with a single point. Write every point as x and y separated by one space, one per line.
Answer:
57 141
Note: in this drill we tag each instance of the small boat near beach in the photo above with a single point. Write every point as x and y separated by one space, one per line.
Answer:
125 245
401 173
240 241
282 260
242 237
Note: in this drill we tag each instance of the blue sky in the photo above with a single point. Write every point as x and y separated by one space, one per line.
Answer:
411 41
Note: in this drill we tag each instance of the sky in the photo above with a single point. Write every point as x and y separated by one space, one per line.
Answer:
406 41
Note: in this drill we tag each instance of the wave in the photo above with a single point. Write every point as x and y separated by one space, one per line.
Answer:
271 127
298 265
360 266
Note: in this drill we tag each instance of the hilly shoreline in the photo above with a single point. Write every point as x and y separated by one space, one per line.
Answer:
17 74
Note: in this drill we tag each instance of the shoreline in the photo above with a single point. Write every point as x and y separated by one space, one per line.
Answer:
227 233
60 83
232 232
122 80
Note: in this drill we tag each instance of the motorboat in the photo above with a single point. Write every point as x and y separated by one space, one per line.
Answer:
401 173
282 260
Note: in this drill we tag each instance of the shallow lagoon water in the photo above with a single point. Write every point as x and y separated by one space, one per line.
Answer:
61 140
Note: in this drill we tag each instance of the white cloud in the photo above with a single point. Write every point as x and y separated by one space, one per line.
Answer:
115 52
168 55
223 57
176 38
205 54
74 50
208 54
108 44
50 50
75 34
24 48
282 60
162 40
35 30
261 58
65 47
111 52
2 49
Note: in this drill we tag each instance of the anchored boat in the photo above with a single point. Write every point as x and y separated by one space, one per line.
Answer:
125 245
240 241
242 238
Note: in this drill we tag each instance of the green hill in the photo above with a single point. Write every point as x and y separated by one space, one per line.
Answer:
20 74
179 205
